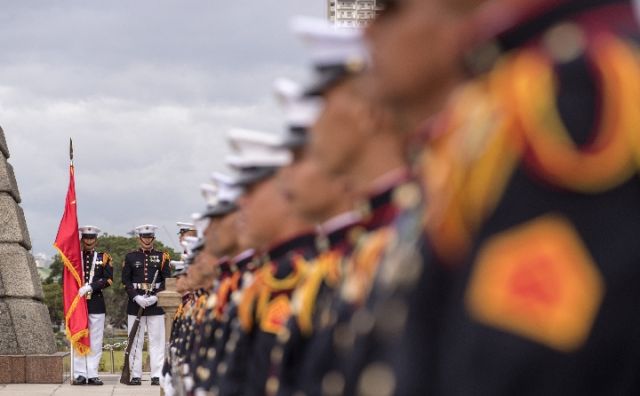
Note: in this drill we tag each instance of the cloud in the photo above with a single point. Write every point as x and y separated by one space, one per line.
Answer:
147 89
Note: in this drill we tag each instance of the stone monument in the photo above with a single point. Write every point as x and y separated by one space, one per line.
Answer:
27 344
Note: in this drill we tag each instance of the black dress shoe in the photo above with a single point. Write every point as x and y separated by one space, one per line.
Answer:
135 381
95 381
155 381
80 380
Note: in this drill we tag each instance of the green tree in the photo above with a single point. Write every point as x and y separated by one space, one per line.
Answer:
115 296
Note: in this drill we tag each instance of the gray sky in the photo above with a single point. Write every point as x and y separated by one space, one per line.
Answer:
147 89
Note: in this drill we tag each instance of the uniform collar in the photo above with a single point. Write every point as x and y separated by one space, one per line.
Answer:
335 231
501 27
225 266
242 261
379 210
296 244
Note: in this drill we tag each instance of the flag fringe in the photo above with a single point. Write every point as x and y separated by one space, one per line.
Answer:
83 350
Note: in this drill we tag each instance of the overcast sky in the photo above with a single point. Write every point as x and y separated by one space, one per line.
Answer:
147 90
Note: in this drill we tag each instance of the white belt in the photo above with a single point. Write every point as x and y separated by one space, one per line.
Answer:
146 286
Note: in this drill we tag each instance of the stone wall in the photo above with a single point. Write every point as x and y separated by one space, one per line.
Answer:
25 328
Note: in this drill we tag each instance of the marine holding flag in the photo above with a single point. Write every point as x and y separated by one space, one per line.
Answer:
68 245
97 275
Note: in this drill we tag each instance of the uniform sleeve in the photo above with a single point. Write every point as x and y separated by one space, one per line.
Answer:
104 275
127 278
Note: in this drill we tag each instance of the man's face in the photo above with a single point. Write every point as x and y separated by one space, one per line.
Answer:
186 234
146 242
89 242
181 284
220 235
203 270
337 136
415 46
262 208
311 191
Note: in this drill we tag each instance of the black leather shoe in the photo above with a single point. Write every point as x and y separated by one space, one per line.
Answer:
79 381
155 381
135 381
95 381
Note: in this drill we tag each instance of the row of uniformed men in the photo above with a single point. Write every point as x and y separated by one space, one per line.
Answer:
474 221
289 247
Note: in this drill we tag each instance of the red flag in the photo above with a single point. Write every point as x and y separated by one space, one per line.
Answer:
76 316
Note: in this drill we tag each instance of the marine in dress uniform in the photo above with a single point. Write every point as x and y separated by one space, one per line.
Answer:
219 230
179 271
168 370
333 299
97 268
138 272
545 295
526 283
285 243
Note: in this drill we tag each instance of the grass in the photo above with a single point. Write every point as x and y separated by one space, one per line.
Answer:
118 359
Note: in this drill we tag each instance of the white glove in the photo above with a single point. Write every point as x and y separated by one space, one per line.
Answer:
151 300
84 290
141 301
167 385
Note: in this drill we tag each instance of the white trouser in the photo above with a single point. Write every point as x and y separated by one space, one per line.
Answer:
154 326
87 366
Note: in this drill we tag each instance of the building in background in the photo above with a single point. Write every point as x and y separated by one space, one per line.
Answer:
352 13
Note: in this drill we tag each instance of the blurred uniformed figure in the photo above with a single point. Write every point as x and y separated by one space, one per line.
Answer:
284 242
97 274
219 230
180 369
354 137
527 279
327 201
183 287
202 272
138 272
186 230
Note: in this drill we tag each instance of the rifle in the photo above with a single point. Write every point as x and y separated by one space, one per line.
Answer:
125 378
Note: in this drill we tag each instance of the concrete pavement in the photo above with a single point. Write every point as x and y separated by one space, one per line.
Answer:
111 387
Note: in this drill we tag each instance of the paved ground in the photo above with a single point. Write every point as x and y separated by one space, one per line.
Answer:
111 387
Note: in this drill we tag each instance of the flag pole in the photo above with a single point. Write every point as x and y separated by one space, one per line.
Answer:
73 358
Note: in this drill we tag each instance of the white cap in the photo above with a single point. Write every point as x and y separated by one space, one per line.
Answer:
300 110
227 186
146 229
330 45
184 227
192 245
255 149
220 196
89 230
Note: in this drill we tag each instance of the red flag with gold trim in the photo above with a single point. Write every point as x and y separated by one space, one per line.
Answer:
68 245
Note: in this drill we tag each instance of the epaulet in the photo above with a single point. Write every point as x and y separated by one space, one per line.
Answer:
364 265
610 157
201 307
325 269
179 311
223 294
166 258
106 258
300 266
249 299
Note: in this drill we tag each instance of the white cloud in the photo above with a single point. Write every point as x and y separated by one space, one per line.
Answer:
146 89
